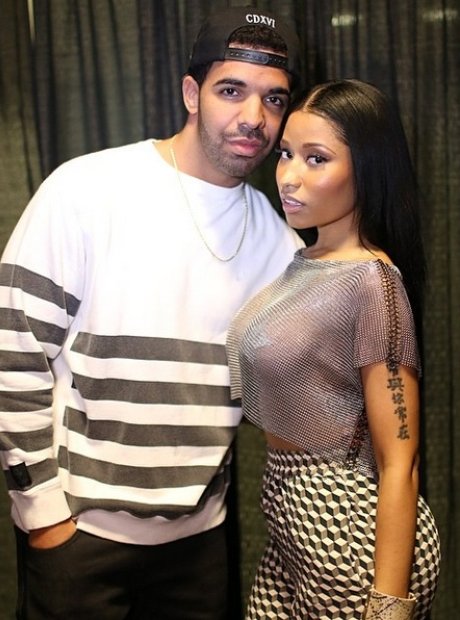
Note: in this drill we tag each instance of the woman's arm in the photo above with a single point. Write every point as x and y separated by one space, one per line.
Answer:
392 406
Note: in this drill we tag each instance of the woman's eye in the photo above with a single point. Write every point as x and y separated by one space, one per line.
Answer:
283 153
316 159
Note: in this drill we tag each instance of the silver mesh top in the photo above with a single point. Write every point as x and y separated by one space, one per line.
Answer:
296 348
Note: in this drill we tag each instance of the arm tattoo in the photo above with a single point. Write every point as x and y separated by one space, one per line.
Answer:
396 386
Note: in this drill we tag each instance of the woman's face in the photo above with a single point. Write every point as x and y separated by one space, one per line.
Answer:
315 175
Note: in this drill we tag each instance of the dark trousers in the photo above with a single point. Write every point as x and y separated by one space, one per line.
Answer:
90 578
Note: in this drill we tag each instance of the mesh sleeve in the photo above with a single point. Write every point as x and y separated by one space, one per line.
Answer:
385 329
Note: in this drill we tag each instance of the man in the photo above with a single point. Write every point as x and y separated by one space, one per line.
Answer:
118 286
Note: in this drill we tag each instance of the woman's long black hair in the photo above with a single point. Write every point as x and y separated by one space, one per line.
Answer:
387 204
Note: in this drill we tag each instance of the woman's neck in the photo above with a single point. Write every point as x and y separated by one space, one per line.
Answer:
349 250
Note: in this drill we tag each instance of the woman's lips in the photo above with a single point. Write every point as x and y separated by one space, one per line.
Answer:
290 205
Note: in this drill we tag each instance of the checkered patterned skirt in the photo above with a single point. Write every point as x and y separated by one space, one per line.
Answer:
319 562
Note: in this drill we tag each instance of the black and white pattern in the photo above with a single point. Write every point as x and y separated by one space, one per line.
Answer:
319 562
114 386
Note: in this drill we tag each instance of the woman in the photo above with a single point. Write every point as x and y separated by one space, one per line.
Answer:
326 362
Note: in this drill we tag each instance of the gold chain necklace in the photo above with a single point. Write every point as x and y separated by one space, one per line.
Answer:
189 207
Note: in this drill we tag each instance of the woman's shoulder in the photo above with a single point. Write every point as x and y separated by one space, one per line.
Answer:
381 279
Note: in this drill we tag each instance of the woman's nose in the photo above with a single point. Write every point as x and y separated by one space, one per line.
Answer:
287 177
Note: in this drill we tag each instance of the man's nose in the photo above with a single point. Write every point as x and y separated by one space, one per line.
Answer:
252 114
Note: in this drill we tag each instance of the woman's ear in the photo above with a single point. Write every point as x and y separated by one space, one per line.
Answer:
190 94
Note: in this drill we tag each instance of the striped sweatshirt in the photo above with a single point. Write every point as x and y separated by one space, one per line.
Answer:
114 391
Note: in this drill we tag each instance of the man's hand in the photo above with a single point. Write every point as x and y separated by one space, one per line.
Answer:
52 535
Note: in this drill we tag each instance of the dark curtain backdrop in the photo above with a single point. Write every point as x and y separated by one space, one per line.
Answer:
81 75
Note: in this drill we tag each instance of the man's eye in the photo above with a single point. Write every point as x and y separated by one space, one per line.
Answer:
277 101
230 91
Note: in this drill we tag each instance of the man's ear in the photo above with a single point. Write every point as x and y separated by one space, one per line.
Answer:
190 94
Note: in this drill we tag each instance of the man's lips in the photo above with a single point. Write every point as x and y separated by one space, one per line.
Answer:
246 147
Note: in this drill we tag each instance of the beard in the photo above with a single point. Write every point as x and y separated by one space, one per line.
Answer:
233 165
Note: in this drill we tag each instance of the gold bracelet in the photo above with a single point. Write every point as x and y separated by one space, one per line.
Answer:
381 606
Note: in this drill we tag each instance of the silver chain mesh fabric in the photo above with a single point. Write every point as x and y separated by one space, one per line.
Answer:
295 352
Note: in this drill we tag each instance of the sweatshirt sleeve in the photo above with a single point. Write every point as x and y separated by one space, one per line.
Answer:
40 289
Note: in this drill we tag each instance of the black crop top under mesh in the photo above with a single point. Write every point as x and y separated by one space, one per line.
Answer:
296 348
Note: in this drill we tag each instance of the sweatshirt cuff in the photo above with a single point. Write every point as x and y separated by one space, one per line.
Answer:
41 508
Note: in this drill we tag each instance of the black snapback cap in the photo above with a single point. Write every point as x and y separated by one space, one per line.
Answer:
211 43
